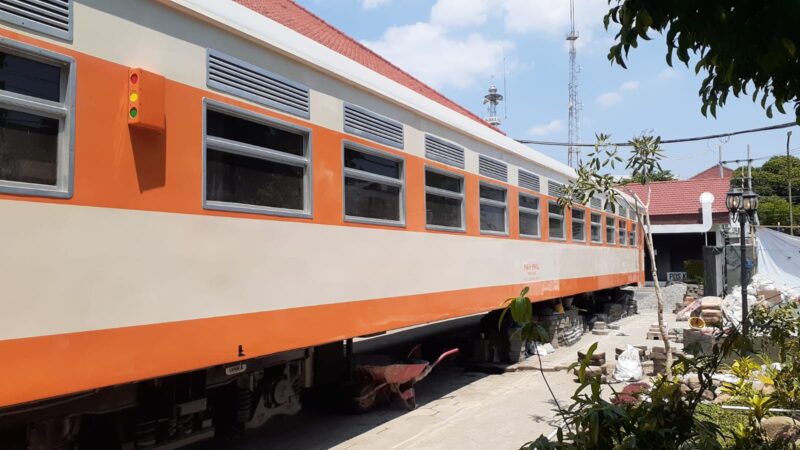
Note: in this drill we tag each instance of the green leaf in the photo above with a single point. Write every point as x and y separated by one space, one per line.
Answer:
789 45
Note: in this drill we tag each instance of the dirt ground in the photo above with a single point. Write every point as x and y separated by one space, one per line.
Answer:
457 409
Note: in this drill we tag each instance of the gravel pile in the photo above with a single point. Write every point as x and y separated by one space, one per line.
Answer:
673 294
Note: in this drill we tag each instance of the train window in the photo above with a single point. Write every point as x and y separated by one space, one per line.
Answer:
555 219
632 236
444 200
37 101
623 238
578 225
528 216
597 224
493 209
254 163
610 232
373 186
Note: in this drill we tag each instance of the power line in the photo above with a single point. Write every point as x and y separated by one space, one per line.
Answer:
665 141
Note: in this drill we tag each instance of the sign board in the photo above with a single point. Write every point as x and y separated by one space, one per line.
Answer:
677 276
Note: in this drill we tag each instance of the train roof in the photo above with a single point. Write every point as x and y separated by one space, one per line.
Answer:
298 34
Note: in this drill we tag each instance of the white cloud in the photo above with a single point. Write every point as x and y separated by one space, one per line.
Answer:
460 13
373 4
609 98
552 17
429 53
545 129
668 74
629 86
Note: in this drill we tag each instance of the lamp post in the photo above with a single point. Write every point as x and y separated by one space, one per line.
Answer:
742 206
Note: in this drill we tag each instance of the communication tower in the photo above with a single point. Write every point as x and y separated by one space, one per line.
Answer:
492 99
573 106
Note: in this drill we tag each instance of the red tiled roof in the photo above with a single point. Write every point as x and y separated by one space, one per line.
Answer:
681 196
713 172
299 19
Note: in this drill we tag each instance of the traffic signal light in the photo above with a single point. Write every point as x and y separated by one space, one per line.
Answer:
145 99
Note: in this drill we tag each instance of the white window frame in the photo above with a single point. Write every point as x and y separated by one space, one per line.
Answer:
563 222
348 172
582 221
614 227
460 196
598 224
535 212
495 203
254 151
622 232
64 111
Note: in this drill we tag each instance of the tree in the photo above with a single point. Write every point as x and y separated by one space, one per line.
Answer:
744 47
662 175
644 163
770 182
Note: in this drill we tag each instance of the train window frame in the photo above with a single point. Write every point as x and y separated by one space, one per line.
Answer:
581 221
623 232
613 232
261 153
495 203
596 225
632 235
380 179
536 212
562 217
63 111
460 196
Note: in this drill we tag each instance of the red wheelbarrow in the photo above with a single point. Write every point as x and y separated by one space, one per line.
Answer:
373 375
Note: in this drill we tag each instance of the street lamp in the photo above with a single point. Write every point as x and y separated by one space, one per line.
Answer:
742 206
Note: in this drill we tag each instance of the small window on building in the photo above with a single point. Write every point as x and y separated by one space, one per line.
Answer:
373 187
37 97
493 209
528 216
623 233
555 219
632 236
254 164
597 228
610 231
578 225
444 200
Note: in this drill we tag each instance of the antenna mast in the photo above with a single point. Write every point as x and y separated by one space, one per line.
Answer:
492 99
573 106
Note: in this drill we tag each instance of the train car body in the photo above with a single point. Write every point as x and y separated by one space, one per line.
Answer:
191 184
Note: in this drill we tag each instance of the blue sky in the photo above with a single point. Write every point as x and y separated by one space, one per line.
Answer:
457 46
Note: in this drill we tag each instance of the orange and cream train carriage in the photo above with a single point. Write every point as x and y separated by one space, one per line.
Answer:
198 196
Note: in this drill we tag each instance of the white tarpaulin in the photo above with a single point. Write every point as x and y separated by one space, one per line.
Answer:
779 258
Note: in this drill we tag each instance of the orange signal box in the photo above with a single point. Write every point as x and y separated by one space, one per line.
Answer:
145 100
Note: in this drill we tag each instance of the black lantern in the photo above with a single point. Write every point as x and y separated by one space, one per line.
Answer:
733 201
750 202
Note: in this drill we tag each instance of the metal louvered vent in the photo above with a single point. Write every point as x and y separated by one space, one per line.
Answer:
444 152
234 76
370 125
492 168
528 180
596 203
555 189
50 17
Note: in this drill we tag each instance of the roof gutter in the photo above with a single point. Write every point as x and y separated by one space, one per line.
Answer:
706 199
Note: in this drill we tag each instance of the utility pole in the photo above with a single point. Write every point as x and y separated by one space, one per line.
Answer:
749 170
789 176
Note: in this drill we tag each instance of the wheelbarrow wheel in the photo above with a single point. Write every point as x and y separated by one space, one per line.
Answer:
362 394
